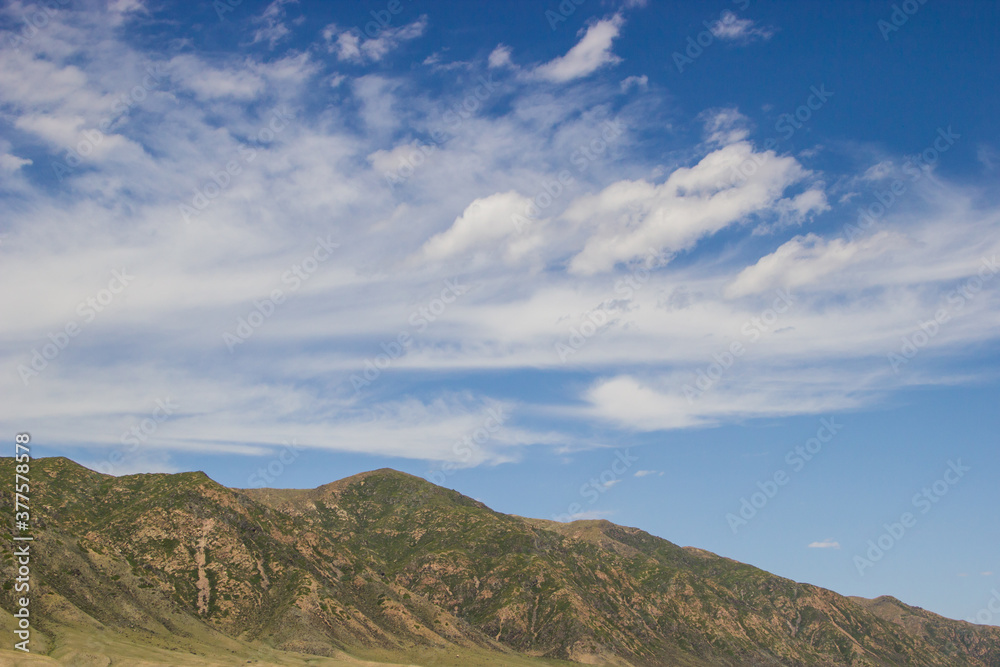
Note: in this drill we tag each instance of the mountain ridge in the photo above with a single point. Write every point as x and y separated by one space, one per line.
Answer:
386 565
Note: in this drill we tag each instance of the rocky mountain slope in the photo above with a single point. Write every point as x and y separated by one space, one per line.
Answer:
386 566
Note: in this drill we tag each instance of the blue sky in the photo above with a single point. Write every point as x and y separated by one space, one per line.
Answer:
722 271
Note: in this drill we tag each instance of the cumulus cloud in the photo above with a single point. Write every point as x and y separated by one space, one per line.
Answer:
591 53
485 224
804 260
483 221
630 217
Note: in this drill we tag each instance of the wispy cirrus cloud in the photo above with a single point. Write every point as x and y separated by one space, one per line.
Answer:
354 46
272 23
730 27
516 145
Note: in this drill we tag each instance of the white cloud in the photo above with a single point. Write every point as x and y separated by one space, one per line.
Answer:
879 171
987 156
272 23
825 544
65 84
646 473
345 43
484 223
731 27
625 400
323 176
239 81
725 126
124 6
11 163
435 62
796 210
804 260
754 391
640 82
352 45
905 252
119 10
500 57
61 131
630 217
377 97
592 52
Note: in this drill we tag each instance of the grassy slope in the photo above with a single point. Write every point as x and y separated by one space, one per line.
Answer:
387 567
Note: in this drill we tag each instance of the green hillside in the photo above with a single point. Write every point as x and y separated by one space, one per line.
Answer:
384 566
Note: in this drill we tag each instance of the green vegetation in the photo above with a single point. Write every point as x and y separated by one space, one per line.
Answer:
384 566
